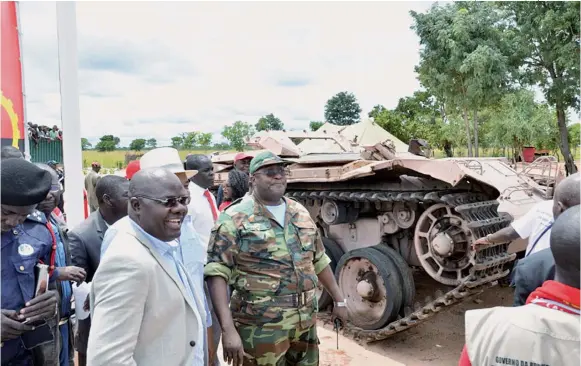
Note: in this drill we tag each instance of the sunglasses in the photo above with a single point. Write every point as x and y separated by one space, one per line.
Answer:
273 171
170 201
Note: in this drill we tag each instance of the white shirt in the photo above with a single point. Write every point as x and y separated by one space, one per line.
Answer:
278 212
201 212
534 224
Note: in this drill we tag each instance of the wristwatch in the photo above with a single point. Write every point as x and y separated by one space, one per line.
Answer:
341 304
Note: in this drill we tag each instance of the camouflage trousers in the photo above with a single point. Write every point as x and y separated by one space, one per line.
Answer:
277 347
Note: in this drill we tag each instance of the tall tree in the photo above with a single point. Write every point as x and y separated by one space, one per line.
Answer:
189 140
342 109
85 144
465 59
237 134
547 34
315 125
137 144
377 109
107 143
151 143
177 142
269 122
204 140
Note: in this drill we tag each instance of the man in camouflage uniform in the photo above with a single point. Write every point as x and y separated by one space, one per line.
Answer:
269 249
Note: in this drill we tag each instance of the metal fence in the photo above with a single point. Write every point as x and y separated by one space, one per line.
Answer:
44 151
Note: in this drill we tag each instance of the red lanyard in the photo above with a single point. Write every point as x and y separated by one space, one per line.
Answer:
53 251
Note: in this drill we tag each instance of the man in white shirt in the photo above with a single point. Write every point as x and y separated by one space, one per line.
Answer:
203 206
204 213
536 224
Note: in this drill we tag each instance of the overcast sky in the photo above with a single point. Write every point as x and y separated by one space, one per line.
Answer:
152 69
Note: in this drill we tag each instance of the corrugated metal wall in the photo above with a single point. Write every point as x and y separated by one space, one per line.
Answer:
46 150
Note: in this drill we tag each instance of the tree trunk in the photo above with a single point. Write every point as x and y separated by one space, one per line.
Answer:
475 122
564 141
468 138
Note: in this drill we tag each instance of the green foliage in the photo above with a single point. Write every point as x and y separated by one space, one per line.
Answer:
377 109
85 144
315 125
107 143
237 134
342 109
151 143
177 142
189 140
269 122
137 144
575 135
204 140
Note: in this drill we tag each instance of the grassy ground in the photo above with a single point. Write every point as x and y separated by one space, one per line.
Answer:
116 159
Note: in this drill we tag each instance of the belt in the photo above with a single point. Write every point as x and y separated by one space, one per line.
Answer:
292 300
64 321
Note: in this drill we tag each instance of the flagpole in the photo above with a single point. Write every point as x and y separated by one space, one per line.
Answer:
24 114
70 111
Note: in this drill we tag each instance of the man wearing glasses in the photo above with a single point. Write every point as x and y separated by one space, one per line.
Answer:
143 305
269 248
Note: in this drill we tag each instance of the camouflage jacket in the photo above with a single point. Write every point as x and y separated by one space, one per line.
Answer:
262 260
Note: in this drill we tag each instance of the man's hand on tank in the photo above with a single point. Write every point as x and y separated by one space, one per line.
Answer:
40 308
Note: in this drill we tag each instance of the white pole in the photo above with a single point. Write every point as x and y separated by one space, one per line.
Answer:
24 114
70 111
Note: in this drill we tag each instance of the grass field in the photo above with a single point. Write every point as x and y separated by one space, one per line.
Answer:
116 159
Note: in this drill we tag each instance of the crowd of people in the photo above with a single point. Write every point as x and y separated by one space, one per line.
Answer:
44 133
173 271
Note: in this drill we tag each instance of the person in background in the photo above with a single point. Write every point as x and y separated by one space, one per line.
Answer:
241 163
54 165
235 187
530 272
11 152
85 242
143 308
90 183
132 168
269 248
26 241
545 331
67 273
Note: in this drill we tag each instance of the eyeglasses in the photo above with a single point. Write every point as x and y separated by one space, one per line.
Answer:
170 201
55 188
272 172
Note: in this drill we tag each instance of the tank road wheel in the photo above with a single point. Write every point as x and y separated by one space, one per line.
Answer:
403 269
442 245
335 253
370 282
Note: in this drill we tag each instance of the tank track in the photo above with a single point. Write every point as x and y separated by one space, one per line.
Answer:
488 262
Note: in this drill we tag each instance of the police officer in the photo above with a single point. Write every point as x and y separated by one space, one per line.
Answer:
269 248
26 241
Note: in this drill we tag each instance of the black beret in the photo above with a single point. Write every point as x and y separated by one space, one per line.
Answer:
23 183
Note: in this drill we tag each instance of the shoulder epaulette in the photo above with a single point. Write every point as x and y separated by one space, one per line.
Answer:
37 216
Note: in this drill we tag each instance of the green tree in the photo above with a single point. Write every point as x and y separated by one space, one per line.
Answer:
546 34
465 60
575 136
315 125
151 143
269 122
377 109
342 109
107 143
189 140
137 144
237 134
205 140
85 144
177 142
519 121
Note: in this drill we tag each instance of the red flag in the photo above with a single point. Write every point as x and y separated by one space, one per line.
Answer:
12 130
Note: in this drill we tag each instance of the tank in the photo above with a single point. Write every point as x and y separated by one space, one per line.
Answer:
388 216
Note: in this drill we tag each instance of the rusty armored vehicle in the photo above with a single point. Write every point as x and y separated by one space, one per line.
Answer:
388 215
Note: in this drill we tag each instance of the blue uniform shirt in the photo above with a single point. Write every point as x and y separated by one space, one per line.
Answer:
22 248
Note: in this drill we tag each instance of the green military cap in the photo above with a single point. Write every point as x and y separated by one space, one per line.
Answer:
264 158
